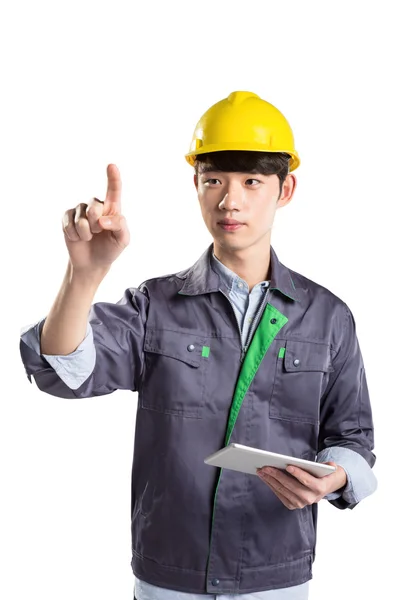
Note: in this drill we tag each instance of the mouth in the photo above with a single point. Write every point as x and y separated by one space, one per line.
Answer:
230 224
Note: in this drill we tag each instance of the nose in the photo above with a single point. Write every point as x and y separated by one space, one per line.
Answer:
233 198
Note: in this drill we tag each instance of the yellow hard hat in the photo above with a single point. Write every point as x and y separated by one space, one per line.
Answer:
243 121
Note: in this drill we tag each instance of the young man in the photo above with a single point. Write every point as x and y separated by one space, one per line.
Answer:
237 348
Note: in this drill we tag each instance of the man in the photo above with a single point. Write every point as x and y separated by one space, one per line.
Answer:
237 348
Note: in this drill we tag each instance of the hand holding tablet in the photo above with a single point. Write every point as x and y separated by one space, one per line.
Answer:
247 460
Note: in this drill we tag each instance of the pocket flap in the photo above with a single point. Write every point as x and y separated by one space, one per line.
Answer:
183 346
307 356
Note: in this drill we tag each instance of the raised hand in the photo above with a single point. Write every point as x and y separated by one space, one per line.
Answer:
96 233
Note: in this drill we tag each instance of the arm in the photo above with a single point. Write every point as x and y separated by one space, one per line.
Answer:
109 358
66 324
59 351
345 438
73 368
346 431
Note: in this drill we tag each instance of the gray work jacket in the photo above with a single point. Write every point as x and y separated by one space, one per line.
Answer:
300 387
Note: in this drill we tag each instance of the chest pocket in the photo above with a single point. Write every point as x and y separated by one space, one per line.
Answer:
301 377
175 372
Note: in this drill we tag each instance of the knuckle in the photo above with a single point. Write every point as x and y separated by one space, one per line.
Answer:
81 223
80 210
91 212
94 210
67 217
83 230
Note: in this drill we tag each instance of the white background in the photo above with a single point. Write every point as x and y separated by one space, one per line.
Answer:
89 83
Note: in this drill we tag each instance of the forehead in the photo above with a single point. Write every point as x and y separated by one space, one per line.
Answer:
211 169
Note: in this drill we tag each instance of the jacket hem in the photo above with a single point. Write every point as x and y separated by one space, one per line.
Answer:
252 580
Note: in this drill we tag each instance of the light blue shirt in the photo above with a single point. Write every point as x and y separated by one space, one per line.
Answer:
76 367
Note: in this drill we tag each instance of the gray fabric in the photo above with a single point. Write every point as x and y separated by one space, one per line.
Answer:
142 343
361 481
76 367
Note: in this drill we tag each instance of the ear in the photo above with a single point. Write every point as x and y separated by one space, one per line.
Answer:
288 189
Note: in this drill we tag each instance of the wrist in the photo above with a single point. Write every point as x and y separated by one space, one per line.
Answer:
86 278
339 479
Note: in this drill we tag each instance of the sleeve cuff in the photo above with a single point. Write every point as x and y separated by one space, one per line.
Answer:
74 368
361 481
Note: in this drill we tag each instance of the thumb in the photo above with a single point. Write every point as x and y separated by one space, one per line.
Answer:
112 222
116 224
332 464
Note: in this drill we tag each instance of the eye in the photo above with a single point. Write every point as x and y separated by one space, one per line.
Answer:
212 181
256 180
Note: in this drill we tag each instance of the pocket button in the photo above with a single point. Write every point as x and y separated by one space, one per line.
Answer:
190 348
296 362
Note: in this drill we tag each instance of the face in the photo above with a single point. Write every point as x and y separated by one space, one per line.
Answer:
239 208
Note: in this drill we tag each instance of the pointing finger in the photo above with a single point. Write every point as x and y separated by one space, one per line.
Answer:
112 204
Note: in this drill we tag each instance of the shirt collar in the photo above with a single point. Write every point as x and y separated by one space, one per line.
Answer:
205 276
230 279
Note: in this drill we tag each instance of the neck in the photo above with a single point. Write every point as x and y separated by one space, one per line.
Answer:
251 264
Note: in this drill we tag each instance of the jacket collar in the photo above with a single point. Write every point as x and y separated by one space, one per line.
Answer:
202 279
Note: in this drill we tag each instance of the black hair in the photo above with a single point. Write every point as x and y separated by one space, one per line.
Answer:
245 161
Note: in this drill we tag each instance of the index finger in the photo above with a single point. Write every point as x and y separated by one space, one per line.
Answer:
113 196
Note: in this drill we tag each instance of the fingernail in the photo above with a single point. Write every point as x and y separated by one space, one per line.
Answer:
106 221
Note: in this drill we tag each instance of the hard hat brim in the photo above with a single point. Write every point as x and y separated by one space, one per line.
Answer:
191 156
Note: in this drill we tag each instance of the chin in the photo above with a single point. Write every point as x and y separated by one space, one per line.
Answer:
230 244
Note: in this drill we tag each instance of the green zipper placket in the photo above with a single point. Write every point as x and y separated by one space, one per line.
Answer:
270 324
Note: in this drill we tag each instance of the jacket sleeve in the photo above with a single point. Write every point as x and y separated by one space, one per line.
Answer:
361 481
109 358
346 421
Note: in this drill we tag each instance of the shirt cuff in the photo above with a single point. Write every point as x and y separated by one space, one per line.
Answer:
74 368
361 481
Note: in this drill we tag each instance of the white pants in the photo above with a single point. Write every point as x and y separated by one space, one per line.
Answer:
145 591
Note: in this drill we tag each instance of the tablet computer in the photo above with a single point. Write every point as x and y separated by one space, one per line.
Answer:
247 460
